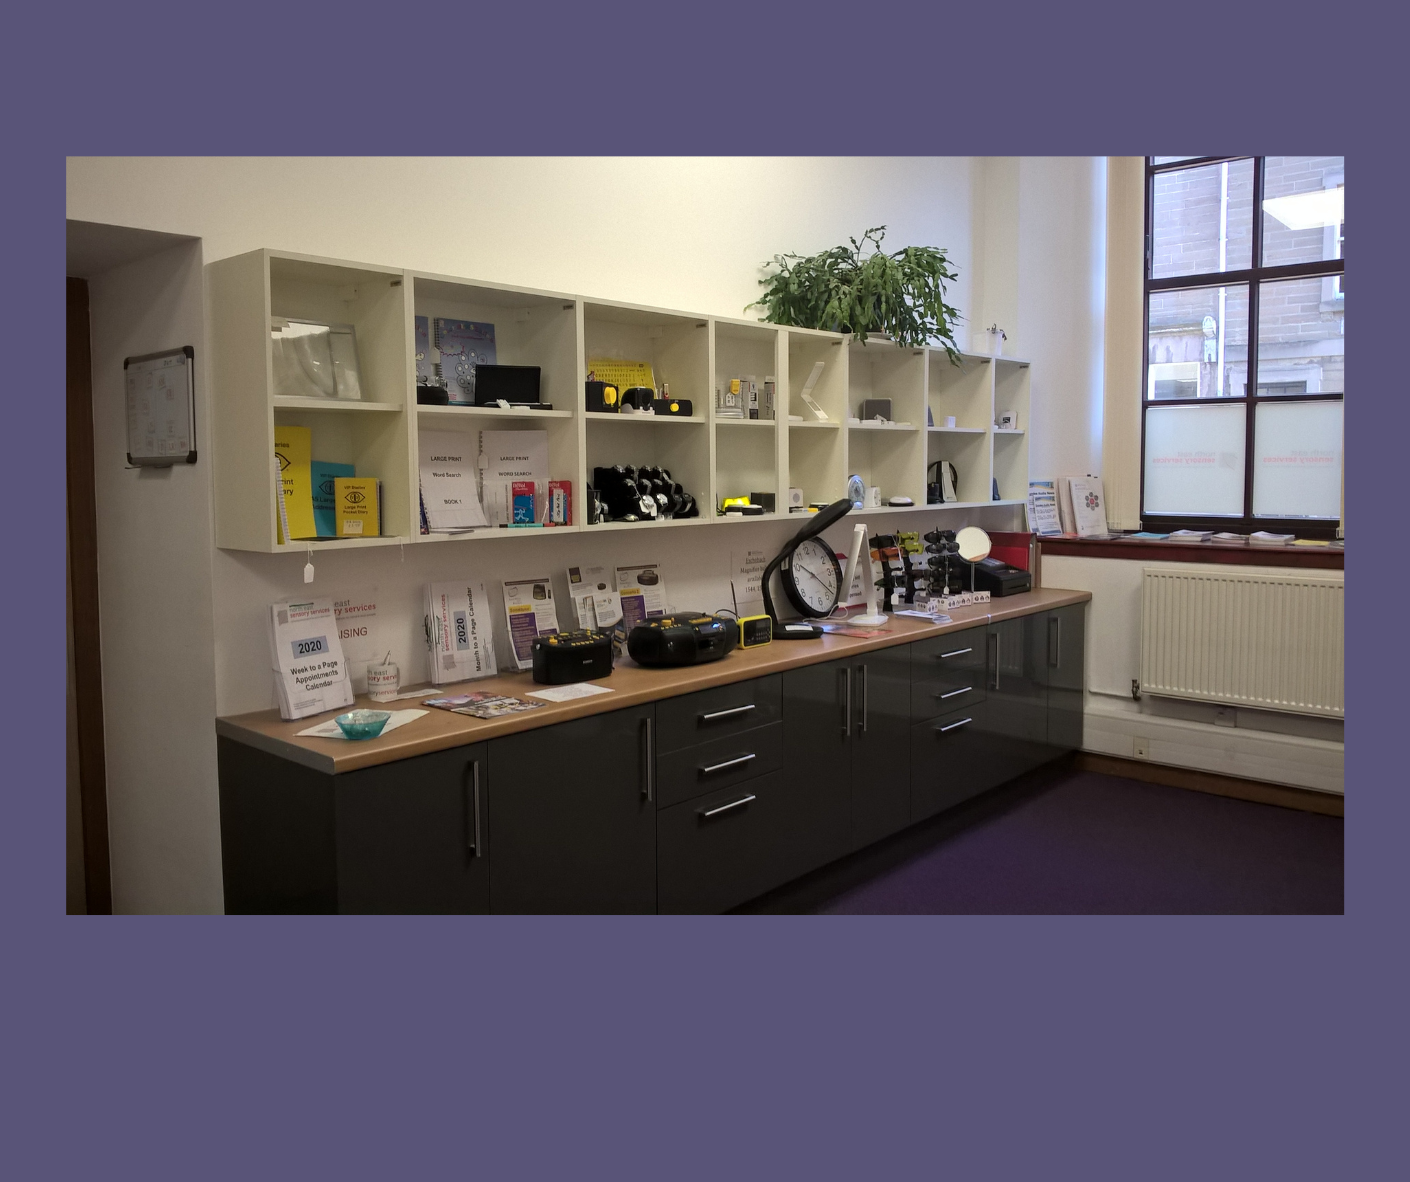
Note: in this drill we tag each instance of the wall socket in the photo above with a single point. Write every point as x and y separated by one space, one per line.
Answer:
1143 748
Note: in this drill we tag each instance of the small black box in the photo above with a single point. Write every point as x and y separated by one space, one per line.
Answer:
564 657
602 398
873 407
638 397
513 383
681 407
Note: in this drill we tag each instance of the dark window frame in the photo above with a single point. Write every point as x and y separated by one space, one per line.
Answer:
1252 276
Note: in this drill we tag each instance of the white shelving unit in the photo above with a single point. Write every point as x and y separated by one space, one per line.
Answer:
712 457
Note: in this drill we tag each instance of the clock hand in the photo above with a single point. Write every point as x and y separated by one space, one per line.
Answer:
817 580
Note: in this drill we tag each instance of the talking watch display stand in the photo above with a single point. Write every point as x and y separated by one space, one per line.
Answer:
811 576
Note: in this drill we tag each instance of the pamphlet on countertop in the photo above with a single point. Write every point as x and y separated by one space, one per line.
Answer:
595 604
458 633
482 705
1043 508
569 693
643 593
331 729
529 612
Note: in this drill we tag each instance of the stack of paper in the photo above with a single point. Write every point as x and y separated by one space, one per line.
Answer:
459 638
508 458
450 501
1192 535
1266 539
310 673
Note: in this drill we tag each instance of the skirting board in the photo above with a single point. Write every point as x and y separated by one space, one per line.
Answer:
1328 803
1112 726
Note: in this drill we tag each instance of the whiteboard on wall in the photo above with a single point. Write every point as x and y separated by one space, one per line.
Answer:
161 408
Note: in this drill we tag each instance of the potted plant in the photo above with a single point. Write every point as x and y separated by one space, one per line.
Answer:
846 289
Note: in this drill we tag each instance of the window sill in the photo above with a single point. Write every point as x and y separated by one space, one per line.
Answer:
1233 553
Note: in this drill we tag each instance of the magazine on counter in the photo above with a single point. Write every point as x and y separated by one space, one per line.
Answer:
482 705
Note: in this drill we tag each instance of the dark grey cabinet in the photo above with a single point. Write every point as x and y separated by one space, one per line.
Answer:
1064 648
405 837
693 803
572 817
845 729
411 835
1016 694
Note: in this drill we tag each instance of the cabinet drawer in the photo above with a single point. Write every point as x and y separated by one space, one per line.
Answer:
716 851
714 713
954 757
953 664
718 764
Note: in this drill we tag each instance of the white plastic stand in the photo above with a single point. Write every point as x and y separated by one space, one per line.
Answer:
872 617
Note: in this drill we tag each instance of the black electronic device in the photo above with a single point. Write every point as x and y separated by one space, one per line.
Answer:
639 397
433 393
515 384
811 574
999 578
685 638
602 398
875 408
681 407
564 657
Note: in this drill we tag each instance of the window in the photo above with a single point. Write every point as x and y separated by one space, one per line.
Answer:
1245 257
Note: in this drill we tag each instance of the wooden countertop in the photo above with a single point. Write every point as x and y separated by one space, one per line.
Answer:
631 684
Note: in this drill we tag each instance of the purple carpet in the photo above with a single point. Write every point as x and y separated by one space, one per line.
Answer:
1084 843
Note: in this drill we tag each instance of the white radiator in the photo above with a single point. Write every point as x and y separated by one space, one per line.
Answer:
1271 641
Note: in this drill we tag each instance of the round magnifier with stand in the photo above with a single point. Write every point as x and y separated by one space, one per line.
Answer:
974 547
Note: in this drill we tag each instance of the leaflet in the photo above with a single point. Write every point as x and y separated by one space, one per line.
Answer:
449 496
529 612
482 705
642 591
595 604
1043 508
310 672
459 639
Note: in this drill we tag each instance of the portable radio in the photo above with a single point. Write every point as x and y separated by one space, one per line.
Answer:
755 630
686 638
563 657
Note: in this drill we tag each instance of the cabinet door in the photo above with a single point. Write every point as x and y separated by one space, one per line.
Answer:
881 792
410 835
817 758
1065 633
572 817
1018 694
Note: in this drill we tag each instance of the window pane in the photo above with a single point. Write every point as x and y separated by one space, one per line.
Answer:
1303 209
1202 220
1197 343
1297 460
1195 460
1172 159
1301 326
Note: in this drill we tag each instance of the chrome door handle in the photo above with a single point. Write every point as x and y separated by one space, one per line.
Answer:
940 730
726 713
648 759
724 808
994 636
1054 641
846 675
476 842
953 693
719 767
863 726
959 652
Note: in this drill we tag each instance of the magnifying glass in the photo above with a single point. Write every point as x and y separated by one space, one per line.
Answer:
974 547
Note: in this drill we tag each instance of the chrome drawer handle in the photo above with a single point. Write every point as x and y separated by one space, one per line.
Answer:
959 652
724 808
953 693
719 767
726 713
940 730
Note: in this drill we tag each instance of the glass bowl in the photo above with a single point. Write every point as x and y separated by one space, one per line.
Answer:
362 724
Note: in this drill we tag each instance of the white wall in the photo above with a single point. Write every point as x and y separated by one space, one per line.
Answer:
683 233
155 604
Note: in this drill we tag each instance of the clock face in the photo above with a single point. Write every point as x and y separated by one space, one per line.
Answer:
812 578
